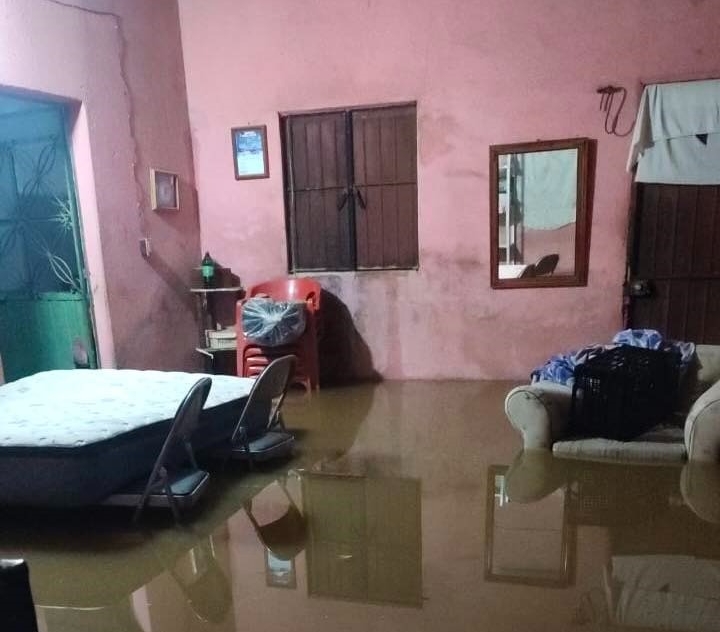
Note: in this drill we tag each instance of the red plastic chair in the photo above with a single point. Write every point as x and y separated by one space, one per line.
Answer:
253 358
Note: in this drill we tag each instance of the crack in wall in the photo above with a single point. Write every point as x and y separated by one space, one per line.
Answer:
123 50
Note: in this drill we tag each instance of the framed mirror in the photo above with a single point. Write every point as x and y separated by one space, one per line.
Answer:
539 213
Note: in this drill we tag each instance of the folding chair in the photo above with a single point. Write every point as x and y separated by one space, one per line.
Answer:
17 610
260 433
172 483
547 264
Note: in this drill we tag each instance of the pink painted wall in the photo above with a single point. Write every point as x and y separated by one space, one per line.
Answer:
126 72
482 72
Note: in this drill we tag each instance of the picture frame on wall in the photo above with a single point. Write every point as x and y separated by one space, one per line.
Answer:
164 190
250 154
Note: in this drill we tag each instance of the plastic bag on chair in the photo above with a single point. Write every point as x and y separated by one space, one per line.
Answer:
273 323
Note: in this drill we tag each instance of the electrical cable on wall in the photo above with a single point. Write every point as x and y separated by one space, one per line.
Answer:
607 95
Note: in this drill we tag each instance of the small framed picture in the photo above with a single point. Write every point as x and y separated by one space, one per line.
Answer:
279 573
164 195
250 155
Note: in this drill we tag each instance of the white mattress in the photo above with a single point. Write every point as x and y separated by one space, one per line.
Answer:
79 407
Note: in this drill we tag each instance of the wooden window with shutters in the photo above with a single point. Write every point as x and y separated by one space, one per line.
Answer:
351 189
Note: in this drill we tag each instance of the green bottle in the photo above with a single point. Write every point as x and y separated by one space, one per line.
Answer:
207 269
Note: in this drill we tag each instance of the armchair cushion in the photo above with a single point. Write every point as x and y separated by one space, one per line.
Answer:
661 443
628 451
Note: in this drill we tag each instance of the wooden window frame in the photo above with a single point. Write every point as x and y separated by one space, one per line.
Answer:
353 199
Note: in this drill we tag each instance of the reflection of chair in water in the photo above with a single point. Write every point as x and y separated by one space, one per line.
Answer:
662 549
284 537
546 264
610 491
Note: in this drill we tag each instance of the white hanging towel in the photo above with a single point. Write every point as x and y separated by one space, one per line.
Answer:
676 139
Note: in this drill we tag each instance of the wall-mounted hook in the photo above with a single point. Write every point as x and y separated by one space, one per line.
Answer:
607 93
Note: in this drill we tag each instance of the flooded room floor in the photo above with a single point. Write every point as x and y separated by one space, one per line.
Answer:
408 506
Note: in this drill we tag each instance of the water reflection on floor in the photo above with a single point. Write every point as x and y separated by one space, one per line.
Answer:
407 507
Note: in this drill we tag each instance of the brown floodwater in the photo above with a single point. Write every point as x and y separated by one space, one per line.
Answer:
408 506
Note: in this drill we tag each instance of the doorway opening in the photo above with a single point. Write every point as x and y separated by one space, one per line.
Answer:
45 308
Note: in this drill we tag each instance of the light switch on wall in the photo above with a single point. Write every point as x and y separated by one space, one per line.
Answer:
145 247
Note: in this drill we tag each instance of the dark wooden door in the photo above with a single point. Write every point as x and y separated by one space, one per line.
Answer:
675 262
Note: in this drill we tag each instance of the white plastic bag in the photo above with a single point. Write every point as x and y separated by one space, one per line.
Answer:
273 323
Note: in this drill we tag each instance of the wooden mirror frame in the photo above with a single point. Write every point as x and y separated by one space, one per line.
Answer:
584 148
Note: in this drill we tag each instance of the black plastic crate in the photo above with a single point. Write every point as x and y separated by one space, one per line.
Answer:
623 392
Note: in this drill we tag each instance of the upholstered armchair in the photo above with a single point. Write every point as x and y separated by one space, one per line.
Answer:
540 412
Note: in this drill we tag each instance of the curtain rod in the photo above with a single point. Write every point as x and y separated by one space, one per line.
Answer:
644 83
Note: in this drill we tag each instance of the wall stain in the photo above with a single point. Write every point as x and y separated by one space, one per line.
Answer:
435 134
444 261
467 173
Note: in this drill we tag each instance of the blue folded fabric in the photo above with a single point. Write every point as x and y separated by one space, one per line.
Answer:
561 368
651 339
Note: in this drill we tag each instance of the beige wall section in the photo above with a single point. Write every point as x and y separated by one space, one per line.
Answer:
95 265
127 71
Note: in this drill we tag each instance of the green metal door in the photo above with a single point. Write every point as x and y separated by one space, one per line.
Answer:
45 318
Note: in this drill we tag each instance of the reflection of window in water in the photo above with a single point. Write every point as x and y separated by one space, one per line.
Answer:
500 493
203 582
365 540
